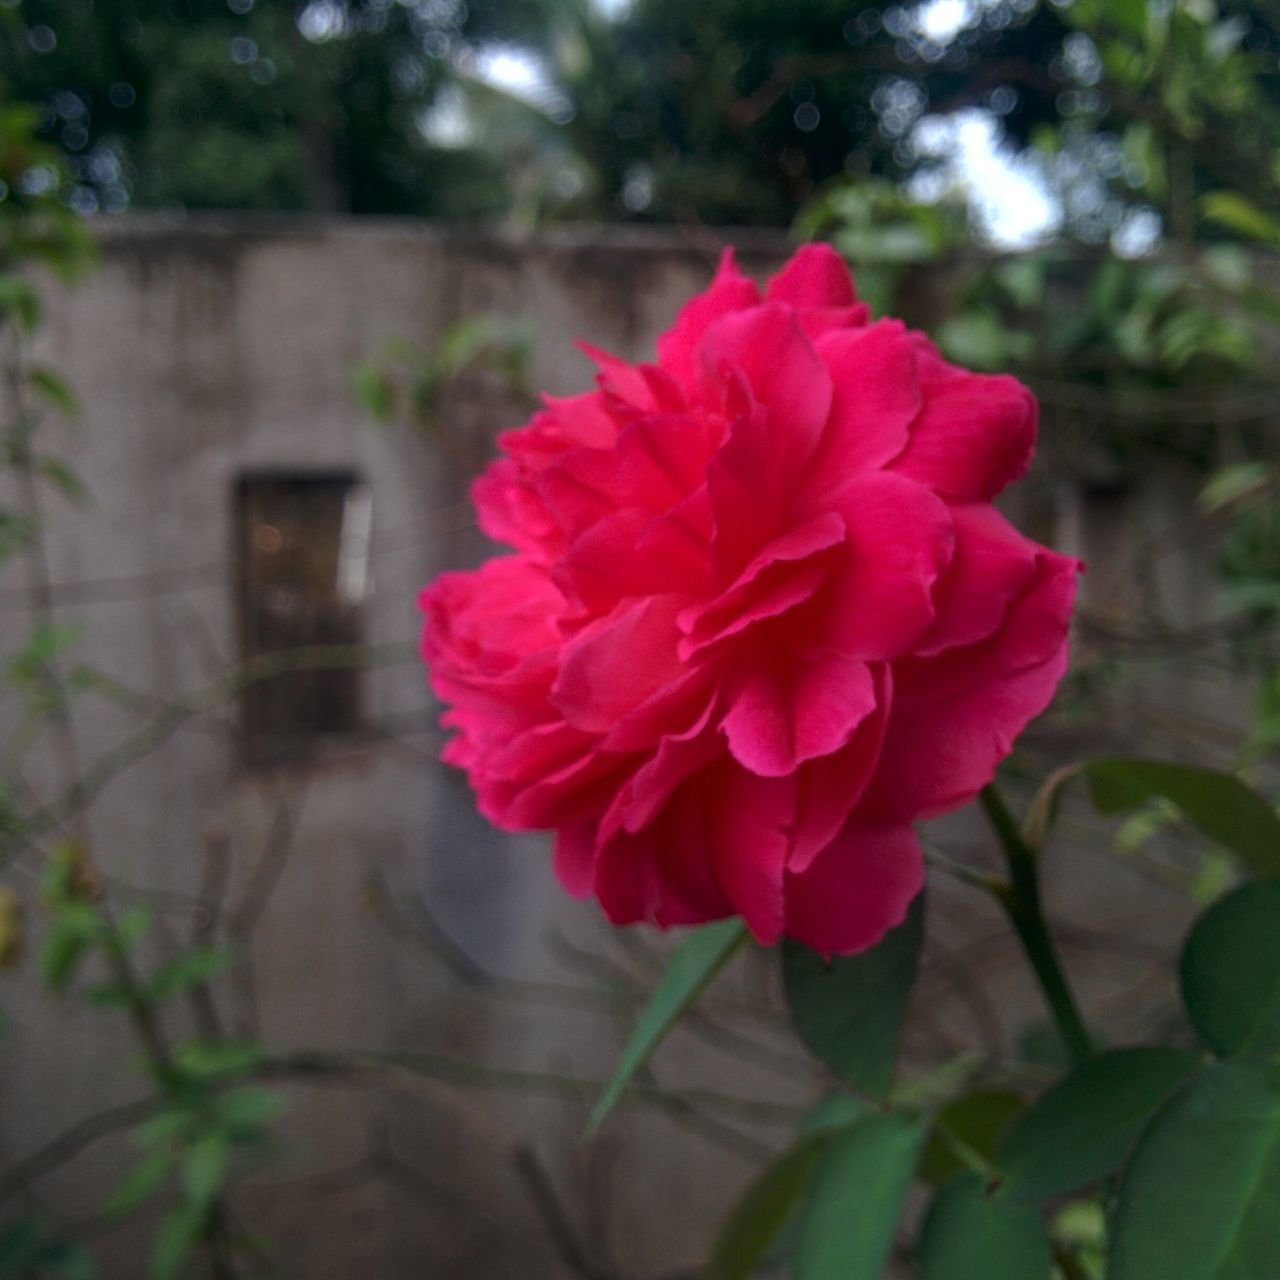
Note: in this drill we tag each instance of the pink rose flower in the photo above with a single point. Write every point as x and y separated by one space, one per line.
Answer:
760 616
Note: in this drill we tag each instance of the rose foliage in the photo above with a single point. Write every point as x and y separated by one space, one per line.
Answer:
760 615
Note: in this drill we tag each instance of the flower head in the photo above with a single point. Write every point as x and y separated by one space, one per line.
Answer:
759 617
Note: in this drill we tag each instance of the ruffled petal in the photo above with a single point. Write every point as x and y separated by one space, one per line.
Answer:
992 567
956 715
975 434
857 889
784 574
877 396
878 600
730 291
748 819
814 276
787 379
613 666
779 717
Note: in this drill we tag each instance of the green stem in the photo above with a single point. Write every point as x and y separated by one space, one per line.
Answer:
1020 898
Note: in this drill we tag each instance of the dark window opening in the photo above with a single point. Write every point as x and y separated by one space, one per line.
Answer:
302 556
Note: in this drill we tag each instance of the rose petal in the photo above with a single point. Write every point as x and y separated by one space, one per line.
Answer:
956 715
780 717
786 377
828 788
857 889
730 291
613 666
993 565
876 398
748 818
814 276
781 576
974 435
575 858
629 553
878 600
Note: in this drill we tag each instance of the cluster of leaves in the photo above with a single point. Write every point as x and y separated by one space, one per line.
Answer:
255 106
202 1108
404 382
726 112
1141 1161
205 1108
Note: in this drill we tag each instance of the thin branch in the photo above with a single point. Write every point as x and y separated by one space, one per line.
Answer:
71 1142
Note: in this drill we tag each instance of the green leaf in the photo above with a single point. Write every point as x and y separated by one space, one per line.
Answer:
73 932
68 1260
977 1121
1230 484
1128 16
694 965
165 1125
1200 1199
835 1111
1231 971
191 969
19 1244
214 1058
143 1181
1223 807
1233 211
175 1239
1083 1128
204 1170
109 995
246 1112
849 1009
64 478
970 1235
850 1215
50 385
20 302
760 1215
375 392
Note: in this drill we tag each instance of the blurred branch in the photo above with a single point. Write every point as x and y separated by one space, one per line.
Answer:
111 763
72 1142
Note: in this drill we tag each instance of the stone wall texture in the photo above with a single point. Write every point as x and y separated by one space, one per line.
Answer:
373 911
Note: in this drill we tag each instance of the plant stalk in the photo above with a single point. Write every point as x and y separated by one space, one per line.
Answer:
1020 898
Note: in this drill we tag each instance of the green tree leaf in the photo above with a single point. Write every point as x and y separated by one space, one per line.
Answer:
971 1235
141 1183
1236 213
762 1212
977 1120
1230 484
1222 806
1083 1128
848 1009
204 1170
246 1112
176 1237
694 965
188 970
48 383
74 931
1231 971
850 1215
69 1261
213 1058
1200 1199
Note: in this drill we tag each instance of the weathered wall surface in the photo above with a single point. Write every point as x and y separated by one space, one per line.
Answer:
365 891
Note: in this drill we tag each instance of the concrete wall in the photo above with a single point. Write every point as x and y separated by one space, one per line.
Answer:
376 910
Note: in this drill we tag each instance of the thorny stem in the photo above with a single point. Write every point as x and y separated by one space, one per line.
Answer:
142 1013
39 578
1020 898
